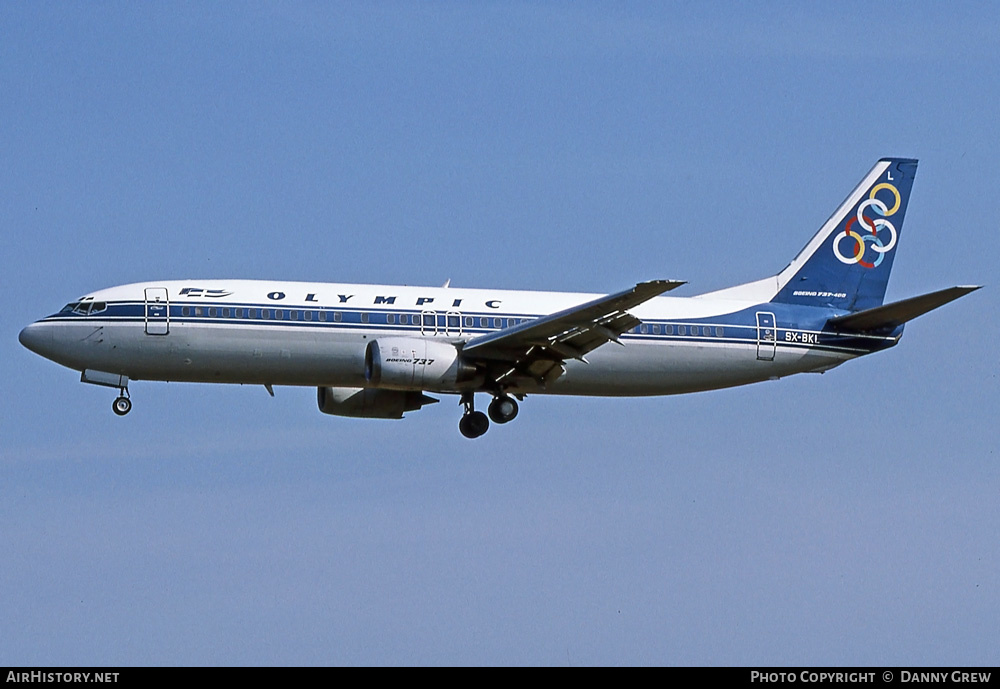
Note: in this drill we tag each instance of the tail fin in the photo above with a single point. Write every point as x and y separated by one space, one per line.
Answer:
846 264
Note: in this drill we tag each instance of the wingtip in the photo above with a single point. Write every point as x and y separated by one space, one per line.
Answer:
662 285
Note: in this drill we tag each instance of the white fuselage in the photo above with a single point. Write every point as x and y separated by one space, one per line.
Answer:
316 334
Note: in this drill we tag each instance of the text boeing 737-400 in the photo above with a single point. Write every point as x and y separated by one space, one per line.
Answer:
374 351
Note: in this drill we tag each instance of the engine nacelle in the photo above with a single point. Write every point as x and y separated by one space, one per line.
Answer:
369 403
410 363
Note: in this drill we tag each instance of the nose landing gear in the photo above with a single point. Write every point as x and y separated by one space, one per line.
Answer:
122 404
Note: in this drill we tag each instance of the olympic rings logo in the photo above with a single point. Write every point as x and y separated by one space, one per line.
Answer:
875 226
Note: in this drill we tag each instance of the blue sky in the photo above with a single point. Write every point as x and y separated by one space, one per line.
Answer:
848 518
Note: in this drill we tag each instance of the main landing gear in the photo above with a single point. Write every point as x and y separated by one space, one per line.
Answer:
502 409
122 404
474 423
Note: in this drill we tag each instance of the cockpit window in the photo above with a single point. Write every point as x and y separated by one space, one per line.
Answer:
85 308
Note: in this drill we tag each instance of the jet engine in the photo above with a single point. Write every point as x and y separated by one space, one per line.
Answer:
410 363
370 403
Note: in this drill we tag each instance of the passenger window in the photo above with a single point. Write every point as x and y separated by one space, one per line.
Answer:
643 328
197 311
185 311
656 328
213 312
322 315
293 315
719 331
681 330
265 313
668 329
338 316
390 318
364 317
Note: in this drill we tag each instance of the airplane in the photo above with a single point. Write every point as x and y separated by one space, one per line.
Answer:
375 351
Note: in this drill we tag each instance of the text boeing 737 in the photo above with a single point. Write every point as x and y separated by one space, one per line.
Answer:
375 350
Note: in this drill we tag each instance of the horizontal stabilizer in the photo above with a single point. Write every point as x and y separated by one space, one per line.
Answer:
895 314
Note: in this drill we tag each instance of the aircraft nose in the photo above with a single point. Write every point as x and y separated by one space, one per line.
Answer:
37 338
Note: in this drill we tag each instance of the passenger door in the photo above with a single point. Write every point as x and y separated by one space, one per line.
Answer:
767 336
157 311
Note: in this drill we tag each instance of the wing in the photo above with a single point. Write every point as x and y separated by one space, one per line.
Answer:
533 352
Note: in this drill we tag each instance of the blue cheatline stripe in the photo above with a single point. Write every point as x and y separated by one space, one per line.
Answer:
700 340
647 339
119 312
